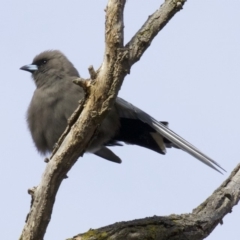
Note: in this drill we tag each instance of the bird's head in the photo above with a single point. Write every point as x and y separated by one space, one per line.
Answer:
49 66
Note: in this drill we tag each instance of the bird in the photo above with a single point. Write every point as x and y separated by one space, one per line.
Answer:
56 97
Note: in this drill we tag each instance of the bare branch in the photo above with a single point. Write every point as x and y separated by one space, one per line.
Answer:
195 226
143 38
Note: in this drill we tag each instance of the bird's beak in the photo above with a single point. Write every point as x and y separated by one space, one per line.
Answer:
30 68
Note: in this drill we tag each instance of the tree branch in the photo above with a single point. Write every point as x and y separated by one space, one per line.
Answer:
101 94
154 24
194 226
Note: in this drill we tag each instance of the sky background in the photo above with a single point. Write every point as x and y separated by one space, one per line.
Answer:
189 76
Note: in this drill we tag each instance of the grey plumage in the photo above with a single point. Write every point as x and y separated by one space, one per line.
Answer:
56 98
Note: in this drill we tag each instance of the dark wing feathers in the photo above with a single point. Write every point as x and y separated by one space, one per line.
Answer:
134 131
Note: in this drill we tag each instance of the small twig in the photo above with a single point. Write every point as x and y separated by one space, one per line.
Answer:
31 192
92 72
85 84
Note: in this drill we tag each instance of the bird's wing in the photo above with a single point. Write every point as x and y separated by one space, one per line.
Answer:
127 110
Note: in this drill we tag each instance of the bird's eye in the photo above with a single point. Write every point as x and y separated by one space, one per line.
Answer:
41 62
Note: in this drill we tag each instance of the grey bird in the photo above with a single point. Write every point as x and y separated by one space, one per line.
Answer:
56 97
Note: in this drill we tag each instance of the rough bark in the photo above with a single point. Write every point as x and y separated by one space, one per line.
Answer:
101 90
194 226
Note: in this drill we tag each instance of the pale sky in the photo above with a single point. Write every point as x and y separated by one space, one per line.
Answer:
189 76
